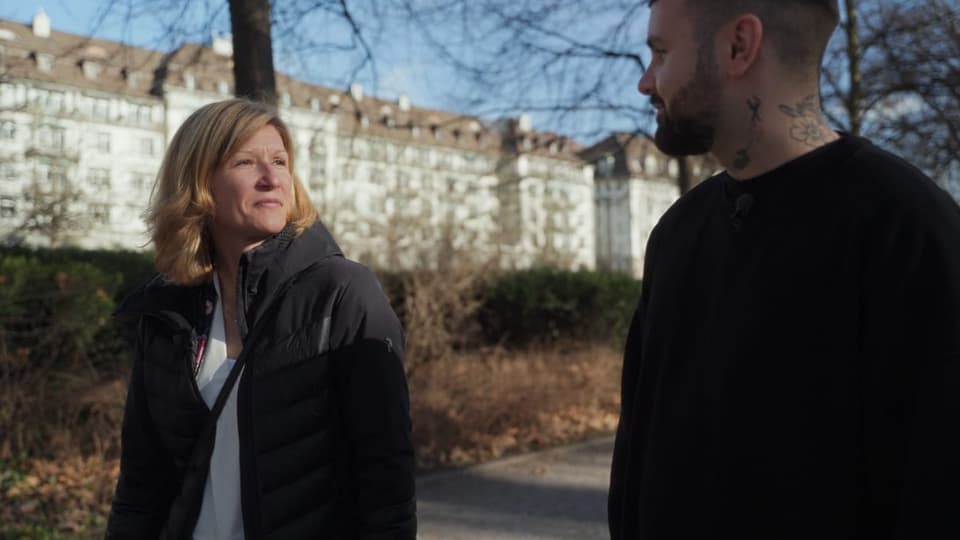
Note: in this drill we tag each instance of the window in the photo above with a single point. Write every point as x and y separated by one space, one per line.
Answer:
103 142
101 109
8 130
54 102
146 146
91 69
141 180
144 114
7 172
44 61
318 170
8 207
100 213
605 166
403 181
52 138
51 176
98 177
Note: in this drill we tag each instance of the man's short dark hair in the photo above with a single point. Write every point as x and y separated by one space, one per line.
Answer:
798 29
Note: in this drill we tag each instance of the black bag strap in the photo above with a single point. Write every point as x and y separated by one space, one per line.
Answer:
234 374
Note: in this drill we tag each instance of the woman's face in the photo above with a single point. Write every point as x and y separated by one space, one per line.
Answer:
252 191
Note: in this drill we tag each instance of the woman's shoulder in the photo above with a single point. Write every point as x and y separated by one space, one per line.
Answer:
156 293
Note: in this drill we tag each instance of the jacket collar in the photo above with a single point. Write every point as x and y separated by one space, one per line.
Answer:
262 271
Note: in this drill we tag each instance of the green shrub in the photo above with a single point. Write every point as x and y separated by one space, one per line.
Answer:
54 325
546 304
132 267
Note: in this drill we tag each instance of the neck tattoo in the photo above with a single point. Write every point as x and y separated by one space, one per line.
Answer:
742 159
806 126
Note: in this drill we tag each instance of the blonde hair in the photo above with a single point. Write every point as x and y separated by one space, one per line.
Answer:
181 205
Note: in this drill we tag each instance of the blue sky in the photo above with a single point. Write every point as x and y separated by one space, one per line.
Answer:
404 63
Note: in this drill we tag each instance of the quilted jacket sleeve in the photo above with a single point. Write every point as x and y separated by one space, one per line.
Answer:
376 409
146 487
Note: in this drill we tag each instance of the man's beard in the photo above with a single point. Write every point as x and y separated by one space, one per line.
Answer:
691 127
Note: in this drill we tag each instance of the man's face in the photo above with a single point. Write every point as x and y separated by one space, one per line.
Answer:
682 81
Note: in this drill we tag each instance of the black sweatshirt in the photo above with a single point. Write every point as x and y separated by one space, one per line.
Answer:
793 367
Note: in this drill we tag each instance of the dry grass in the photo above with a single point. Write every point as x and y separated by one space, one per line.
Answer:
466 409
492 402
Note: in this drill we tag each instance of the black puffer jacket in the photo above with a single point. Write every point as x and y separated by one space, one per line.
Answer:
323 412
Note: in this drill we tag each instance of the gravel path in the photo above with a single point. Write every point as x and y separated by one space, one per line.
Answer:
557 494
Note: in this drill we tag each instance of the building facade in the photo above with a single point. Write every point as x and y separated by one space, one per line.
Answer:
634 184
84 124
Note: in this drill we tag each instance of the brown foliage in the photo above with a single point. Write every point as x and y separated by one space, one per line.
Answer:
438 312
490 402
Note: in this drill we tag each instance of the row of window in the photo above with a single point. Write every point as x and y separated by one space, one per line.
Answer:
413 155
98 213
55 175
54 138
56 102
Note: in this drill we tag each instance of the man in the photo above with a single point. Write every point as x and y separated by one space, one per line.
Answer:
793 368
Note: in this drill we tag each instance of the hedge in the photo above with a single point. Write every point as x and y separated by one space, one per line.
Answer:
550 304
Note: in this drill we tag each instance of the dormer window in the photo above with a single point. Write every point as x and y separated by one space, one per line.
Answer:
133 78
605 166
44 61
91 69
386 114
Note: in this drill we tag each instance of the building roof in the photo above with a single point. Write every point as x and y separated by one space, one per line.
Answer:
77 61
630 152
113 67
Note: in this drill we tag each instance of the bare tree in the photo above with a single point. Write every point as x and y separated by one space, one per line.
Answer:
306 32
53 206
894 78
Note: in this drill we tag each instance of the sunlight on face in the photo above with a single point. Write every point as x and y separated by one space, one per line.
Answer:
252 191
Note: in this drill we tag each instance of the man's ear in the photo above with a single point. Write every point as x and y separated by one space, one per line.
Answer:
740 42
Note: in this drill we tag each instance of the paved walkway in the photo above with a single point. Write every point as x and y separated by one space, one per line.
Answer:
558 494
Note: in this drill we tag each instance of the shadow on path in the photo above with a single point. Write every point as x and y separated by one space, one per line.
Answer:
556 494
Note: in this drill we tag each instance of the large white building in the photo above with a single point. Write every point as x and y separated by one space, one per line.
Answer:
84 124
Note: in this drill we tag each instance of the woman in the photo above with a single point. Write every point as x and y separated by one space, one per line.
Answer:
267 397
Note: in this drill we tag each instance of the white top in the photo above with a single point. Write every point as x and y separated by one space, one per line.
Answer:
220 515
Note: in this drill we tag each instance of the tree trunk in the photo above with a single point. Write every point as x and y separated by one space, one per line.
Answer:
253 51
854 101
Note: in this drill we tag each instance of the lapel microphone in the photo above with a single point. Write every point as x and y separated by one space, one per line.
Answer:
741 210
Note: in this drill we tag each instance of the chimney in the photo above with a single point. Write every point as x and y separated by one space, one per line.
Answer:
222 45
356 90
403 102
523 123
41 24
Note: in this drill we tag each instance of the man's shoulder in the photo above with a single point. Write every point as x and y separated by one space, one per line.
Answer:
883 183
695 203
